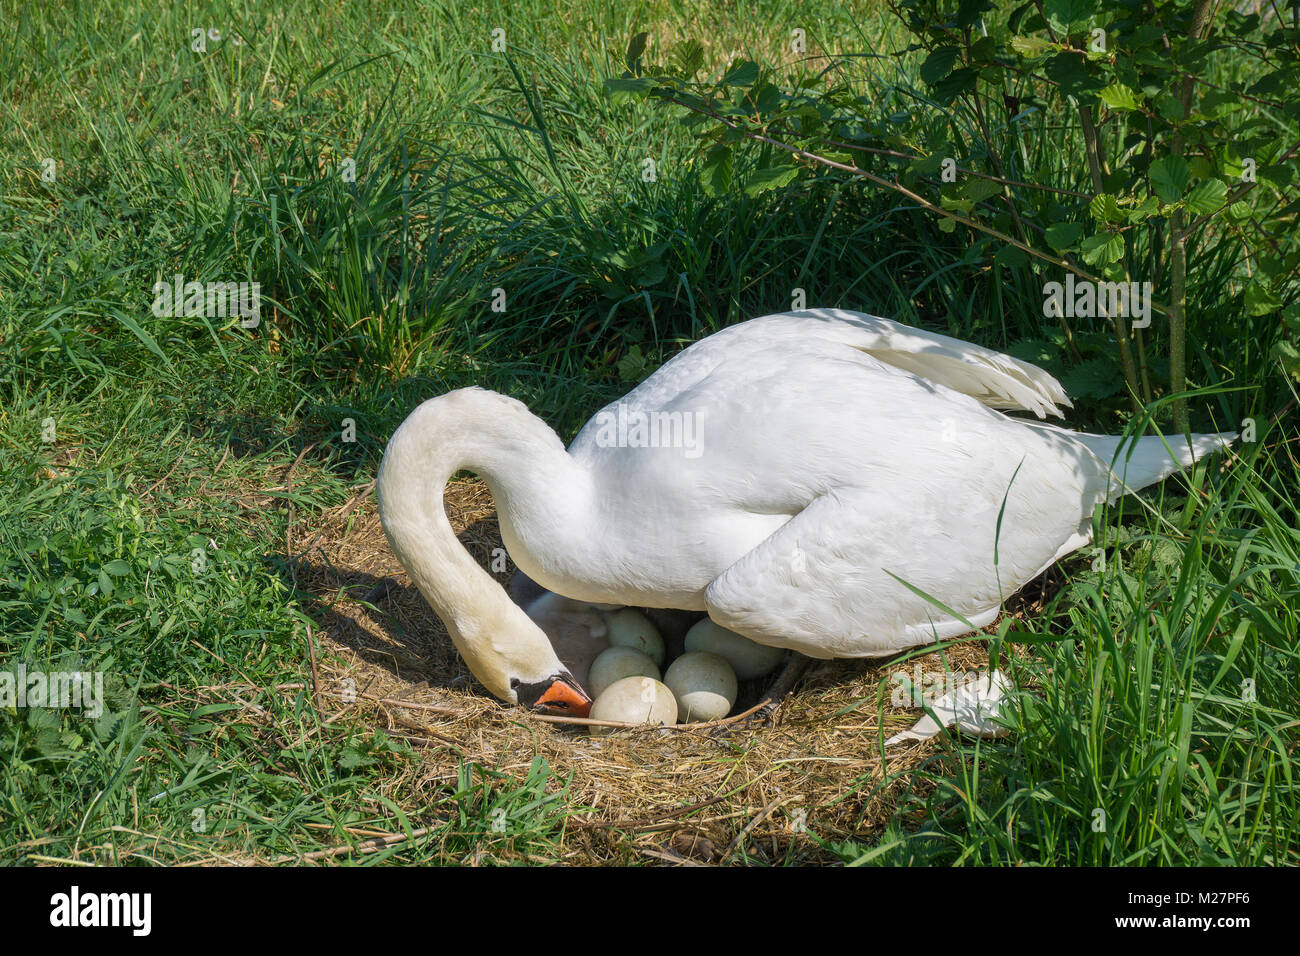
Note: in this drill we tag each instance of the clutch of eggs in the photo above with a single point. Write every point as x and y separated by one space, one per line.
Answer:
698 686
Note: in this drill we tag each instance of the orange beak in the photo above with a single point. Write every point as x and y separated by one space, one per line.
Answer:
564 699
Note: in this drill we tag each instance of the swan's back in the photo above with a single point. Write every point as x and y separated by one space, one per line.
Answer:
795 409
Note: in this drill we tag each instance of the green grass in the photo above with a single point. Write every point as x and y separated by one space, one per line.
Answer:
1160 727
476 171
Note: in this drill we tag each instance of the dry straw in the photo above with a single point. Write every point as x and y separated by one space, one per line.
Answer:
756 787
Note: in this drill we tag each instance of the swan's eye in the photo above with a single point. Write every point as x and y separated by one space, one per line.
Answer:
514 683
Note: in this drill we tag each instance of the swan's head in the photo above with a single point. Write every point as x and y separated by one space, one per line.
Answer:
514 659
558 694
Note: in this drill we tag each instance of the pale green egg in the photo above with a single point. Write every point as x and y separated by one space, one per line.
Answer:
704 685
615 663
628 627
747 658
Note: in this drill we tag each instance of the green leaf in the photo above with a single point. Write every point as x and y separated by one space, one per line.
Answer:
1290 315
1067 71
354 759
1239 210
1207 196
938 64
983 51
1094 378
1104 208
1103 248
716 171
1119 97
634 366
1038 351
956 204
1146 208
743 73
1011 257
117 567
766 98
774 177
954 84
978 189
1260 299
1169 178
1170 107
1064 235
969 12
634 50
1063 15
1289 357
622 89
1031 47
927 165
688 56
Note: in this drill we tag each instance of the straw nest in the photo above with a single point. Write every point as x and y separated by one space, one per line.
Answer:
766 790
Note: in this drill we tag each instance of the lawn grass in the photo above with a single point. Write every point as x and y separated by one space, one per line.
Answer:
153 469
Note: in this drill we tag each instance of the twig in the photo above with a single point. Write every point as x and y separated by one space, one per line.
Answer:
315 674
288 475
173 468
670 857
758 818
365 846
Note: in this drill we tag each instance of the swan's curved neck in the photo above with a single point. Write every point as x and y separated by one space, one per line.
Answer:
534 484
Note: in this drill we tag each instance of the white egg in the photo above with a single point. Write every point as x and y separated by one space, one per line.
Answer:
636 700
628 627
615 663
704 685
747 658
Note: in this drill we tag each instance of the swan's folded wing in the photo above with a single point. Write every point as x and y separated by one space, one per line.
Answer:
837 579
992 378
773 342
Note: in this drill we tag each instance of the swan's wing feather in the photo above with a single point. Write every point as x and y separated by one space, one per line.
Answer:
992 378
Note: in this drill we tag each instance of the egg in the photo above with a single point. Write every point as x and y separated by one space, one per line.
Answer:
615 663
747 658
704 685
628 627
636 700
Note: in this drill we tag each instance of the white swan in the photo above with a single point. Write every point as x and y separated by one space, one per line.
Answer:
823 458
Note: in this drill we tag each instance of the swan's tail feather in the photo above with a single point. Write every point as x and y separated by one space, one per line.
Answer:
1152 458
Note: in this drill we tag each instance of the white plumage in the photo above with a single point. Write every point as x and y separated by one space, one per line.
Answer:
836 456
